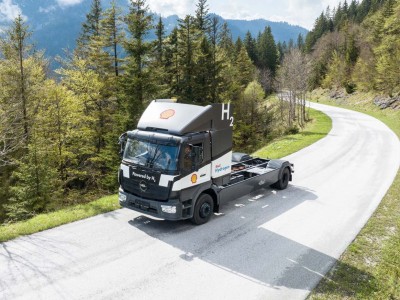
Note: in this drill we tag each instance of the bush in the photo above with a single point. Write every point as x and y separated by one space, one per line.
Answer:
292 130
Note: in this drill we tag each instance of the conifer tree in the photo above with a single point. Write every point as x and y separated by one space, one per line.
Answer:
300 42
112 35
225 39
22 75
137 83
90 28
187 43
238 46
267 51
250 45
216 65
158 64
203 76
245 68
171 64
160 33
202 18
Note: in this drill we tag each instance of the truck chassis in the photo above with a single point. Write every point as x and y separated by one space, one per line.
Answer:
247 176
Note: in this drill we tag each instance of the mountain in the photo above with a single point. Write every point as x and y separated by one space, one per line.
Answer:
56 25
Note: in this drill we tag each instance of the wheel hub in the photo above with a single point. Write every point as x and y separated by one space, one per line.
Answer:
205 210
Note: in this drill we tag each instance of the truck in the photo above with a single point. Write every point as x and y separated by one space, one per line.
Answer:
178 164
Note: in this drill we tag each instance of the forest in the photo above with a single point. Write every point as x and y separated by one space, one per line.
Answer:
356 46
59 129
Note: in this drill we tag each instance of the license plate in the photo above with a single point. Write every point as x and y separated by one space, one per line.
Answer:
142 204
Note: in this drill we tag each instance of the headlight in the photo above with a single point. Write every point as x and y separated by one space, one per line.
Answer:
122 197
168 209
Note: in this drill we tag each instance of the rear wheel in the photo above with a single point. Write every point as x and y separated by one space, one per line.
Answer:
203 209
283 181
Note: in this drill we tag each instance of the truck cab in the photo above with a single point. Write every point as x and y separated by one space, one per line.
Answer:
177 164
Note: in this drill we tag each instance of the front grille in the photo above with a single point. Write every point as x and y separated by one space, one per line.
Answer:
142 206
153 192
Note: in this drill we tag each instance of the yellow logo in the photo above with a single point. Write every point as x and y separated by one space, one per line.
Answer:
166 114
194 178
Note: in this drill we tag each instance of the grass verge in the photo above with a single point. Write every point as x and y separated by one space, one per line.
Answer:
50 220
316 129
370 267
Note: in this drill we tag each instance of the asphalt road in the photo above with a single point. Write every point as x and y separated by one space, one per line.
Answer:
268 245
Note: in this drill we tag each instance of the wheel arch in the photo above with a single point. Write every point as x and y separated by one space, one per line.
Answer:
214 196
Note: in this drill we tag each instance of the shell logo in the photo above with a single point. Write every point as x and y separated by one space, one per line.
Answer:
166 114
193 179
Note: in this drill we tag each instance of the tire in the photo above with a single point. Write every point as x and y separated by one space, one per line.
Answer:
203 209
283 181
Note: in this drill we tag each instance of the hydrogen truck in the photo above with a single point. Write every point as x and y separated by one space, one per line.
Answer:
178 164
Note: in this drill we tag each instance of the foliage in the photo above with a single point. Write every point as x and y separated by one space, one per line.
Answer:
369 268
293 84
361 50
316 128
58 137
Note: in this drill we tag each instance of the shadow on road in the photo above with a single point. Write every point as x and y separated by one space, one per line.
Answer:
236 241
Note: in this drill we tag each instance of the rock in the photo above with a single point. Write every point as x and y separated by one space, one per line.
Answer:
384 102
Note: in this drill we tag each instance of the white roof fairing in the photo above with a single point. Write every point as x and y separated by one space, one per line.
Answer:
176 118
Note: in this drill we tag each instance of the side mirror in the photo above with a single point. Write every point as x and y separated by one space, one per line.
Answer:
122 142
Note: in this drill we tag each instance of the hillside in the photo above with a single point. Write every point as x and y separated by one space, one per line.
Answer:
56 27
357 47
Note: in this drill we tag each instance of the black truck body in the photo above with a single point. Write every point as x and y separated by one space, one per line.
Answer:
178 163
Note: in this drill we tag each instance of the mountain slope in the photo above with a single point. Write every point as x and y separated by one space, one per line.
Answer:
55 27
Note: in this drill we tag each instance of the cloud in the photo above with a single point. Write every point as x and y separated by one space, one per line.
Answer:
64 3
47 9
172 7
296 12
9 11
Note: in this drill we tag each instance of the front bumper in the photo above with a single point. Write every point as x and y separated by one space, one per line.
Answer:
168 210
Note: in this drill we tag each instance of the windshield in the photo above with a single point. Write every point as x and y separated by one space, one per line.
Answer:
151 155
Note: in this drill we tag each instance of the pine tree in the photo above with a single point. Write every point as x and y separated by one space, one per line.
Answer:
160 32
267 51
245 67
352 12
300 42
203 76
225 39
16 51
188 36
202 18
216 64
90 28
137 84
171 64
363 10
238 46
112 35
22 74
250 45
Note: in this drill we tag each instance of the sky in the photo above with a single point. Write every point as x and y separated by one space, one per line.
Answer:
295 12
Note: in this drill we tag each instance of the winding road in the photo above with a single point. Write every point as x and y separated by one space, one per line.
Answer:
268 245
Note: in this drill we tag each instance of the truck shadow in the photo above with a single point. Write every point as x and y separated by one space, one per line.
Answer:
237 242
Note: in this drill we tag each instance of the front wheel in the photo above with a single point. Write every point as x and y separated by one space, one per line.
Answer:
203 209
283 181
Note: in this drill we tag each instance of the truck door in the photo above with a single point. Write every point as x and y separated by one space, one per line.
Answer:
195 160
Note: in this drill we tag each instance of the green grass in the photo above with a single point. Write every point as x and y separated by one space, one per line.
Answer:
370 267
317 128
50 220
